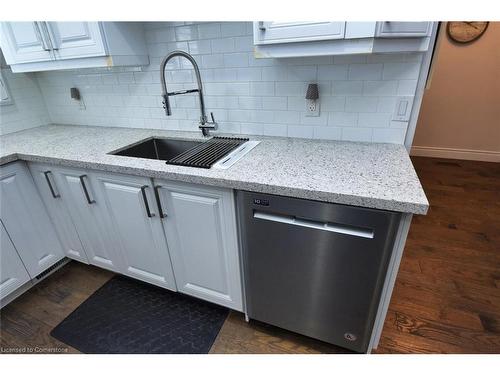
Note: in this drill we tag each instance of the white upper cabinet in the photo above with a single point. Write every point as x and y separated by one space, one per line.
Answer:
38 46
200 226
131 205
76 39
55 202
298 39
12 271
24 42
25 219
285 32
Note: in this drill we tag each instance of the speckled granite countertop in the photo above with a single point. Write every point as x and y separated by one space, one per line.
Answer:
375 175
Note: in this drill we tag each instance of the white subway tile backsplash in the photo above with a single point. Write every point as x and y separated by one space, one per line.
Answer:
186 33
357 134
407 87
227 89
332 103
365 71
223 45
342 119
302 73
124 78
322 119
361 104
274 73
408 70
224 75
212 61
200 47
291 89
262 88
378 120
248 74
380 88
236 60
332 72
233 28
209 30
386 104
243 44
275 102
250 102
327 132
277 130
389 135
286 117
300 131
247 95
347 88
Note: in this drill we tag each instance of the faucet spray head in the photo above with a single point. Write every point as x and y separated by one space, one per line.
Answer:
166 105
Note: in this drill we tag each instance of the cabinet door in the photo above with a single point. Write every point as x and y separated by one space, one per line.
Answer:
89 216
284 32
403 29
23 42
12 271
55 203
200 225
132 208
26 220
76 39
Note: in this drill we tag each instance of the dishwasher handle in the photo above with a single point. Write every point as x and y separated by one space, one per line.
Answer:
328 227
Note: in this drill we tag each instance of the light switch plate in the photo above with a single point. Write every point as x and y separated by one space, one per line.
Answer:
402 111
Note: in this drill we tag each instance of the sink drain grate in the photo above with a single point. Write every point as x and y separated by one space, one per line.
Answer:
207 153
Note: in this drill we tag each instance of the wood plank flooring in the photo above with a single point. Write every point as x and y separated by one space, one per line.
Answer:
446 298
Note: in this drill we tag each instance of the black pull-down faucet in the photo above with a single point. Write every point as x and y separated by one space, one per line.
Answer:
205 125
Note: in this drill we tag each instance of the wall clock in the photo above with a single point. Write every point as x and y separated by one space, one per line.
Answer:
465 32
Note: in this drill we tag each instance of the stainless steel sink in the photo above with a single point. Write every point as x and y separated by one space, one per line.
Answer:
217 152
158 148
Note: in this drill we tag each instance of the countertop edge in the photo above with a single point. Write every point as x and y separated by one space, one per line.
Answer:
367 202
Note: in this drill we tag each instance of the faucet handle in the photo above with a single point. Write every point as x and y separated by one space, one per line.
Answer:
212 117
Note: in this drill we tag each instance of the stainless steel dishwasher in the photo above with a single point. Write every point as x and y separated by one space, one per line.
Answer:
315 268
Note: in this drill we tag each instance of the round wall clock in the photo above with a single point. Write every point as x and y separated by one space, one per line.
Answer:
465 32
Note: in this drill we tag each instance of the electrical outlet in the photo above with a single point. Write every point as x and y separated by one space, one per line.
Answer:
312 108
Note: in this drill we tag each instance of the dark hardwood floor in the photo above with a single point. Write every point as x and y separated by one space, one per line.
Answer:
446 298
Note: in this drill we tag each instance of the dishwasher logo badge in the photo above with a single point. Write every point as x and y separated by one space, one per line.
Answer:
261 202
350 336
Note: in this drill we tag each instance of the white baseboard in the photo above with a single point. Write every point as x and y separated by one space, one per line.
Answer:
454 153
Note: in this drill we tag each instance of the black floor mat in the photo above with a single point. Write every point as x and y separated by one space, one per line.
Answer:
129 316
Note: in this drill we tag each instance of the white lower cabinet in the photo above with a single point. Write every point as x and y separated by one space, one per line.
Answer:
89 216
178 236
12 272
55 201
200 226
24 216
131 205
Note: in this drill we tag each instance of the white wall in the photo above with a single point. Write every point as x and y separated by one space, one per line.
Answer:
27 109
247 95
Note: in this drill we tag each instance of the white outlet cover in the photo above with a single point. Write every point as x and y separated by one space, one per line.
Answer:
312 108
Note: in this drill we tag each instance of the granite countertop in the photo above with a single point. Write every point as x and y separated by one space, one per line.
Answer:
374 175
